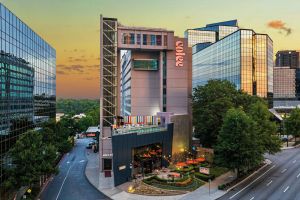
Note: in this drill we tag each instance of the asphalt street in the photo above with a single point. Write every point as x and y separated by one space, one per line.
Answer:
71 182
278 181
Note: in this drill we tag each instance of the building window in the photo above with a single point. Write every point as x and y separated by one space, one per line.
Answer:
138 39
145 64
144 39
107 164
128 38
153 40
165 40
158 40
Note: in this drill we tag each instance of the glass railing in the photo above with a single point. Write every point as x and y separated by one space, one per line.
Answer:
139 130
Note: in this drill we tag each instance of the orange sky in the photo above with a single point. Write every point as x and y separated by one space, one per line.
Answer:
72 28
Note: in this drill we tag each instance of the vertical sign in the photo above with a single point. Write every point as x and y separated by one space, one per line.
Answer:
179 54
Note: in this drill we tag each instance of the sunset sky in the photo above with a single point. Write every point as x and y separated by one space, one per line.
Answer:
72 28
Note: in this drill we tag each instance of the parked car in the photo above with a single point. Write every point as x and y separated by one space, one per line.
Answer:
90 145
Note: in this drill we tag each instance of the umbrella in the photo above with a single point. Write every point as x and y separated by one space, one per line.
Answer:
200 159
181 164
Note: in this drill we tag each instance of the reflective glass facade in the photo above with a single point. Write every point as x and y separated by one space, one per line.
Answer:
197 36
27 81
244 58
210 33
125 83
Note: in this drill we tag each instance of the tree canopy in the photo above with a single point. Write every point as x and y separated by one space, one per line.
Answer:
292 123
210 104
31 158
76 106
238 145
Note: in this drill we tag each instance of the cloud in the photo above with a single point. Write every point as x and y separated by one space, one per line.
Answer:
281 26
72 59
77 69
90 78
60 72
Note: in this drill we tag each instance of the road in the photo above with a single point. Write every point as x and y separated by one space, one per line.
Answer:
71 182
278 181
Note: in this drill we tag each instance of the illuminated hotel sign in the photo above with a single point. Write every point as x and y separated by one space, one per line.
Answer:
179 54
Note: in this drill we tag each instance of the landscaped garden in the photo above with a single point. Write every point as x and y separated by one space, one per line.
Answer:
184 176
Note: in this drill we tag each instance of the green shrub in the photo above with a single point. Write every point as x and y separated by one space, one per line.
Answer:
218 171
204 177
221 187
184 170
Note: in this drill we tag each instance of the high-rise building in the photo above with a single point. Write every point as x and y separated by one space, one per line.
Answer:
288 58
210 33
243 57
284 83
27 82
287 79
145 82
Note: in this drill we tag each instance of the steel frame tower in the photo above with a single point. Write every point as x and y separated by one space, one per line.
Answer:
108 71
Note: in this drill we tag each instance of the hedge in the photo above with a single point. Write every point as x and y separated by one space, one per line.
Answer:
204 177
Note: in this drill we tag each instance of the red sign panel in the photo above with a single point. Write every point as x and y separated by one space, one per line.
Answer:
90 134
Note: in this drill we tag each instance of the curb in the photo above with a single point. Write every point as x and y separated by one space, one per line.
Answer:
268 162
49 179
292 147
86 163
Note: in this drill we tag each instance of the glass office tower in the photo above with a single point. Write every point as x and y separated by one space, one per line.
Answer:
244 57
27 82
210 33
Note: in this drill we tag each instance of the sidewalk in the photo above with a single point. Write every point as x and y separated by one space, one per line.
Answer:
203 192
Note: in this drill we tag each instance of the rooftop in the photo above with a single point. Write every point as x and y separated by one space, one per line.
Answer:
120 26
93 129
141 129
225 23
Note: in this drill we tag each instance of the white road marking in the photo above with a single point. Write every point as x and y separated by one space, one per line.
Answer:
81 161
298 175
269 183
252 182
286 188
252 198
294 161
63 183
283 171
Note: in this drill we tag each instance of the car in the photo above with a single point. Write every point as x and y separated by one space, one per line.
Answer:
90 145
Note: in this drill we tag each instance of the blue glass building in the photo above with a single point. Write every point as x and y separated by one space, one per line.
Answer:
27 82
210 33
243 57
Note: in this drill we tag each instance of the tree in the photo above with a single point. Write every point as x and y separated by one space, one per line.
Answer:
238 147
266 128
210 103
31 158
292 123
58 135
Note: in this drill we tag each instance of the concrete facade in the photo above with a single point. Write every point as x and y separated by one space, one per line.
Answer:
284 83
151 73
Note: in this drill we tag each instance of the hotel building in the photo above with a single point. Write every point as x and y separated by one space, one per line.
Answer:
243 57
287 79
27 82
145 81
